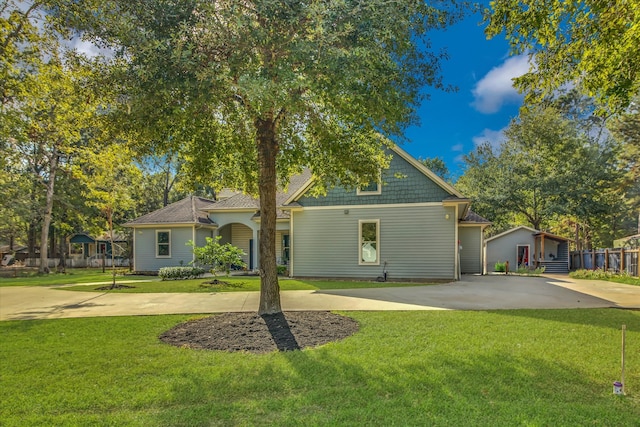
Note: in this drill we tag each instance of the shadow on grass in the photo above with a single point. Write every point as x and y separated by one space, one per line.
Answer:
373 385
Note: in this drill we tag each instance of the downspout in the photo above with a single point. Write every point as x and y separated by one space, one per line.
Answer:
456 241
195 243
291 244
133 240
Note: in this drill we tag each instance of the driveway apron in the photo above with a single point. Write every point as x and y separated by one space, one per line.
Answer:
472 293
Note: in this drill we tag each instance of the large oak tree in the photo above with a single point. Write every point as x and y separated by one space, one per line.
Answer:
252 91
593 44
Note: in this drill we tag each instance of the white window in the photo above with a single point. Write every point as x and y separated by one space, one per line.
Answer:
372 188
163 244
369 246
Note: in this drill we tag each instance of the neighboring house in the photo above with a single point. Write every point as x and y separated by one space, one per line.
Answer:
411 224
527 247
85 250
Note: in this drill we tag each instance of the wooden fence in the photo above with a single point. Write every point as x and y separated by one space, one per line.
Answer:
615 260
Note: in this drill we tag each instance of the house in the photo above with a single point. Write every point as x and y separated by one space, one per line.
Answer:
411 225
527 247
87 251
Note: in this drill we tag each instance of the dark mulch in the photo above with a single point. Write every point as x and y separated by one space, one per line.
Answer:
292 330
110 287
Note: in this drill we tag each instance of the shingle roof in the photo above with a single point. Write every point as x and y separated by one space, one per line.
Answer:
189 210
475 218
244 201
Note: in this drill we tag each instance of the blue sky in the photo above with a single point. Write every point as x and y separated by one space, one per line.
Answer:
452 123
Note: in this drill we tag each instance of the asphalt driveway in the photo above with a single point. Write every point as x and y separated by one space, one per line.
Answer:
472 293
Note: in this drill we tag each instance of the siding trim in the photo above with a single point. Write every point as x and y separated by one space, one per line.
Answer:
373 206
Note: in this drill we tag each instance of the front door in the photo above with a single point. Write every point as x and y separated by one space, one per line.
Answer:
523 255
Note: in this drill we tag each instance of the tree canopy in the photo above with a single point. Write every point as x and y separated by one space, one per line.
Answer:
548 172
592 44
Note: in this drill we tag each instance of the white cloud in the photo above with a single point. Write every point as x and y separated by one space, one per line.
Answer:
493 137
496 88
457 147
88 48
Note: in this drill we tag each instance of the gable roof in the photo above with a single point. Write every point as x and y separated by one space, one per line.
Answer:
533 231
295 195
190 210
428 172
512 230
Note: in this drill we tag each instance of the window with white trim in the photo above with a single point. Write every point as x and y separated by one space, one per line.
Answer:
369 245
163 244
370 189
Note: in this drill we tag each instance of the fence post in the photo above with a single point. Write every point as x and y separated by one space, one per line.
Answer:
606 260
621 260
593 259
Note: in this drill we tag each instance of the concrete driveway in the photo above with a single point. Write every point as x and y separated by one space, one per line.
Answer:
472 293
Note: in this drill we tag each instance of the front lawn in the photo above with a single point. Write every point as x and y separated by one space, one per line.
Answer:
240 284
72 275
500 368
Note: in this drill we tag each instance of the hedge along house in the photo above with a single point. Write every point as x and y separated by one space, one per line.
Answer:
527 247
411 225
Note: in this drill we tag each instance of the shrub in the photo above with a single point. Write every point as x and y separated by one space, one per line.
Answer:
282 269
180 273
500 267
219 257
525 271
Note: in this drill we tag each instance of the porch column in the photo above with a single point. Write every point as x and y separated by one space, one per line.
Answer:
542 246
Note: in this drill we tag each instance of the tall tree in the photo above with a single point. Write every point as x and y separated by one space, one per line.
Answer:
593 44
108 173
256 90
545 170
437 166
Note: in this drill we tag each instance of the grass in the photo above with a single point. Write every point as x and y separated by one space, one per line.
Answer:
501 368
73 275
605 275
241 284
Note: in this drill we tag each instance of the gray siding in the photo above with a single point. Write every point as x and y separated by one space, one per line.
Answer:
417 242
240 237
471 254
503 248
201 236
145 248
412 187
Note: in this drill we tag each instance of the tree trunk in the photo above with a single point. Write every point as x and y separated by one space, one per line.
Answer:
113 263
267 152
46 220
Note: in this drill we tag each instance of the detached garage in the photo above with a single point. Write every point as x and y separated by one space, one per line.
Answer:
527 247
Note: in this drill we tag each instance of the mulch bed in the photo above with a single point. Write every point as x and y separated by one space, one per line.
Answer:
249 332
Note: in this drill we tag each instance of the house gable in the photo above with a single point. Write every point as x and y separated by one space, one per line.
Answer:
406 181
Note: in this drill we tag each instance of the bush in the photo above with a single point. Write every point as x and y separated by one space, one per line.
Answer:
500 267
526 271
180 273
282 269
600 274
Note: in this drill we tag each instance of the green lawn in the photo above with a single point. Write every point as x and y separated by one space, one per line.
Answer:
501 368
605 275
73 275
242 283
